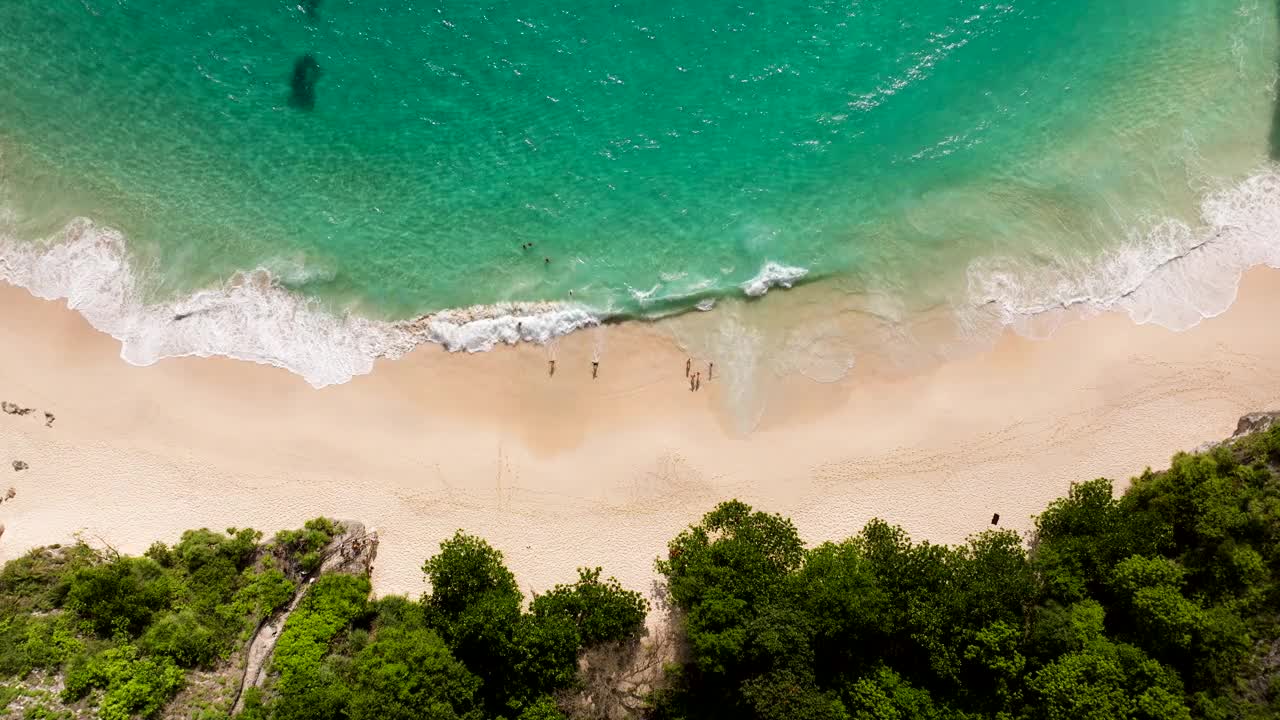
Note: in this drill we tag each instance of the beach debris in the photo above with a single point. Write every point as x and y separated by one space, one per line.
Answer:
48 419
995 519
14 408
19 466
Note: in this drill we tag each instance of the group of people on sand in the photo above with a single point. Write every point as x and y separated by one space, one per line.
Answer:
595 368
695 378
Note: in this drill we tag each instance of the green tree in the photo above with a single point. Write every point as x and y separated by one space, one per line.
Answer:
601 611
475 606
409 674
119 596
742 554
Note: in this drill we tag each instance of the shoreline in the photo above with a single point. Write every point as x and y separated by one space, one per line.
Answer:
565 471
1164 272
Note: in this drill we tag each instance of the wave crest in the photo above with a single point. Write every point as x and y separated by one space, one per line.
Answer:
251 317
1168 272
773 275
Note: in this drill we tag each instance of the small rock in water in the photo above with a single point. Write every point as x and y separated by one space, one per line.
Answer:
10 493
19 466
48 419
995 519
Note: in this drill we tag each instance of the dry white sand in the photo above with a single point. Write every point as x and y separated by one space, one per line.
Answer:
566 471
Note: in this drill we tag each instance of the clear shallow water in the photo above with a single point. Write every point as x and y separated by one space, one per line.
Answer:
382 163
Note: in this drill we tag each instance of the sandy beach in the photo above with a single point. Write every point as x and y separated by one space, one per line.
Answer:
566 471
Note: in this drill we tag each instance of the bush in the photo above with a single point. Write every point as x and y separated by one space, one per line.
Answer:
332 602
304 544
133 685
181 636
119 596
406 674
600 611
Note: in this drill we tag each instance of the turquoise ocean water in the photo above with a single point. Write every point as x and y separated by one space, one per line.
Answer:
382 161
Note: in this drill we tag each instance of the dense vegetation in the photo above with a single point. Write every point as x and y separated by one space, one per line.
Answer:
124 631
467 650
1161 604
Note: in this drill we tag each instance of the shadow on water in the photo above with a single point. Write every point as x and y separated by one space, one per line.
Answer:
1273 143
302 86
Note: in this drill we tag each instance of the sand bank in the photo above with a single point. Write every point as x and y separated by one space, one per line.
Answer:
565 471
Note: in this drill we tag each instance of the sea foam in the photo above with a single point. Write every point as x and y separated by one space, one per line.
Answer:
1165 272
773 275
251 317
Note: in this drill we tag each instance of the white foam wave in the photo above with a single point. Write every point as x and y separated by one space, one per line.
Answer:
251 317
773 275
1167 272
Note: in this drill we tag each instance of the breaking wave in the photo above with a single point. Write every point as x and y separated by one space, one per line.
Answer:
252 317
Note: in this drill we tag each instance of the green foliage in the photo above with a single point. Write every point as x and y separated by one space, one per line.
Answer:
332 602
475 606
304 544
119 596
742 554
601 611
1159 604
408 674
260 593
38 581
121 629
544 708
181 636
132 684
465 572
1147 606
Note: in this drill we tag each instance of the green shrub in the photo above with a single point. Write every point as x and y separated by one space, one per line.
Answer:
132 684
183 637
602 611
119 596
332 602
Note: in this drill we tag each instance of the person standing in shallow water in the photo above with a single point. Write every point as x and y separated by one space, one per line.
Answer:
697 381
595 368
688 365
551 368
